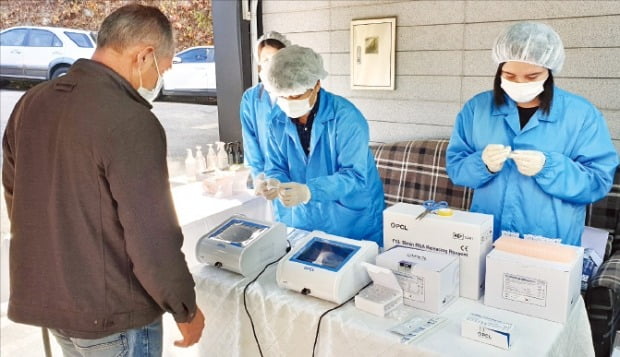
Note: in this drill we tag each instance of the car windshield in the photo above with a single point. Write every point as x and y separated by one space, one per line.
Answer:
80 39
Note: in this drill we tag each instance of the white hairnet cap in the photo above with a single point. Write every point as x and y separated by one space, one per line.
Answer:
271 35
293 70
530 42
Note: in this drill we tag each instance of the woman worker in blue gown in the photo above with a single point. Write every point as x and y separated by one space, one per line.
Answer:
535 154
256 109
319 161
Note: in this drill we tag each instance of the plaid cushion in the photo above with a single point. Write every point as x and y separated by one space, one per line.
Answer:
605 213
415 171
603 304
609 274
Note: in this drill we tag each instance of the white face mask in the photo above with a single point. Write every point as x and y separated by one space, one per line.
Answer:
151 94
295 108
522 92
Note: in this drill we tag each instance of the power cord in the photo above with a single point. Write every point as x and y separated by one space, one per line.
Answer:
245 289
318 327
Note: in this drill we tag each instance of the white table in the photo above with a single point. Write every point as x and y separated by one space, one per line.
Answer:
286 323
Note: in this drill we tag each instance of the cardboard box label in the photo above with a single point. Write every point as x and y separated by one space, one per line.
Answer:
487 330
525 289
412 285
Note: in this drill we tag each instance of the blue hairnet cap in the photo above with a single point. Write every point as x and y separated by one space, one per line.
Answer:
271 35
530 42
293 70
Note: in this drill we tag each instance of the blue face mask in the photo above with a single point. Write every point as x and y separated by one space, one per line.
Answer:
150 94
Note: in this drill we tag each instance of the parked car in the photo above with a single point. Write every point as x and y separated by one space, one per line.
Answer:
33 52
192 73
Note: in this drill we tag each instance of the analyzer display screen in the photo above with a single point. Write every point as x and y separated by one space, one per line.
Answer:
326 254
238 231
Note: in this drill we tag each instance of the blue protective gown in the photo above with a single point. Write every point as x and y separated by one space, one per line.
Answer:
340 171
580 164
256 111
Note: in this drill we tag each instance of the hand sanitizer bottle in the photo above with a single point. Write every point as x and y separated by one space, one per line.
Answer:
222 156
190 166
211 158
201 162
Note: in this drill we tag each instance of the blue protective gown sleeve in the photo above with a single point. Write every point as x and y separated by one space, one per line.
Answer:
253 154
464 162
588 177
351 142
277 165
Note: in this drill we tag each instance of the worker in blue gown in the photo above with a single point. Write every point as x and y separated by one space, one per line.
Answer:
256 109
319 162
535 154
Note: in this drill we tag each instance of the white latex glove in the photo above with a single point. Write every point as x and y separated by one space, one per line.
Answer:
494 156
266 187
529 162
293 193
259 184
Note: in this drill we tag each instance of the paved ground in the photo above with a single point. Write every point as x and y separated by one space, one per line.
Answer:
186 125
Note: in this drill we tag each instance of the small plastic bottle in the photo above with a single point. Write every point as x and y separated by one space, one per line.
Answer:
230 152
211 158
222 156
239 153
190 166
201 162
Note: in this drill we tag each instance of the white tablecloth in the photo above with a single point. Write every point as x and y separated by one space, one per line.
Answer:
286 322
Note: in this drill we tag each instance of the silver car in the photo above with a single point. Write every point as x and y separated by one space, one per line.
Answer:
33 52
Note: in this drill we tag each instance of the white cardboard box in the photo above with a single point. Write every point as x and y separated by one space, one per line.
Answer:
533 286
383 296
466 235
487 330
429 281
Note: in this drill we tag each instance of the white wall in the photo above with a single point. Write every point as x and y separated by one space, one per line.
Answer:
443 54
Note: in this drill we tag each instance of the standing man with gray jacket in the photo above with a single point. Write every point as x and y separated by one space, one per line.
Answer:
96 246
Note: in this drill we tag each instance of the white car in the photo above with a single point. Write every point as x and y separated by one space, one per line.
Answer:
33 52
192 73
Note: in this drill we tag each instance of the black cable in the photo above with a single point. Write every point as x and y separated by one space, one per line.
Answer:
318 327
245 289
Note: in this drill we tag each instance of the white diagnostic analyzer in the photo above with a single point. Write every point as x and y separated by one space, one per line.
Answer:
327 266
242 245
